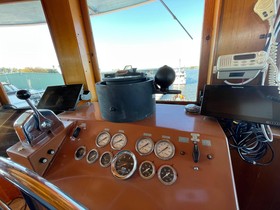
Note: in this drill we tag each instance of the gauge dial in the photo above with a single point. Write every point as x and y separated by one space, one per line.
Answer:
167 174
103 139
92 156
164 149
80 152
144 146
118 141
124 164
147 170
105 159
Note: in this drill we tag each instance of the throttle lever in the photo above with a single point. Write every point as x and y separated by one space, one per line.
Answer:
43 122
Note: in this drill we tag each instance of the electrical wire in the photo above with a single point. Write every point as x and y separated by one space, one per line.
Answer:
251 143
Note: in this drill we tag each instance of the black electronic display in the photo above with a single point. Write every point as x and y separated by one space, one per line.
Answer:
259 104
61 98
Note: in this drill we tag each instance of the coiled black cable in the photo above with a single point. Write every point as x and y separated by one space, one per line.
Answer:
250 142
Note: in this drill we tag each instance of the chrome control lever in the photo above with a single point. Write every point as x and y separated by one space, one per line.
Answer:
43 122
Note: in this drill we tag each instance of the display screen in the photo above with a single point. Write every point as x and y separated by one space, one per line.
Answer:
61 98
259 104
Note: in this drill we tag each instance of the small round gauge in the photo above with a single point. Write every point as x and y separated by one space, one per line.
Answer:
92 156
80 153
164 149
105 159
144 146
167 175
147 170
103 139
118 141
124 164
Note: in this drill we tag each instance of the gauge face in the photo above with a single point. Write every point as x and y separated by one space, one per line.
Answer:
144 146
167 174
105 159
103 139
147 170
92 156
164 149
118 141
124 164
80 152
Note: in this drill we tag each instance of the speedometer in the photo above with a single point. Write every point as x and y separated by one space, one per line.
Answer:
144 146
164 149
124 164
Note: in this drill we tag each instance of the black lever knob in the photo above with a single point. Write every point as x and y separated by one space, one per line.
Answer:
195 153
23 94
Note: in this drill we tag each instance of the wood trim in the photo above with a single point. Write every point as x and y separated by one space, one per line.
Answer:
68 32
90 40
212 10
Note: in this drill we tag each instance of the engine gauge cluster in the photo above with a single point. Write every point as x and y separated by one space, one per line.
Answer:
124 162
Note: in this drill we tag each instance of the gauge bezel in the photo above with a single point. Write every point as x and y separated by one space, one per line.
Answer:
174 172
138 150
96 158
113 138
172 147
113 165
83 155
108 164
153 167
96 139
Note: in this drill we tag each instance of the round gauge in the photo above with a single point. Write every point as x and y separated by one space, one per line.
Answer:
147 169
80 152
124 164
164 149
167 174
105 159
103 139
92 156
118 141
144 146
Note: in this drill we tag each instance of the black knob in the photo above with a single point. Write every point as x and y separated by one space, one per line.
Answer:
23 94
164 77
195 153
43 160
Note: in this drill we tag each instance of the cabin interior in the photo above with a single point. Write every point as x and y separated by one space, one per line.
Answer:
157 155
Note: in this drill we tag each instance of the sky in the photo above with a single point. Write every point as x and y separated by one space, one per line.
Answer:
146 36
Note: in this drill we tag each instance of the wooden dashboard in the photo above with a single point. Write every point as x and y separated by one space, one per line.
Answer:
100 164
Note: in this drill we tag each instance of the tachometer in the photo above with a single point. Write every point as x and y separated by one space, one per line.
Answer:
164 149
144 146
118 141
105 159
103 139
167 174
147 169
124 164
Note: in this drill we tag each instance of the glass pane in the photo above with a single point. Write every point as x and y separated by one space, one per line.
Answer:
147 37
28 61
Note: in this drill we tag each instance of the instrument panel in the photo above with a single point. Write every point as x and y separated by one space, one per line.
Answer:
150 164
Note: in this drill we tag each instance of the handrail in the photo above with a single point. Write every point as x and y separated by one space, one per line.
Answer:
36 186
